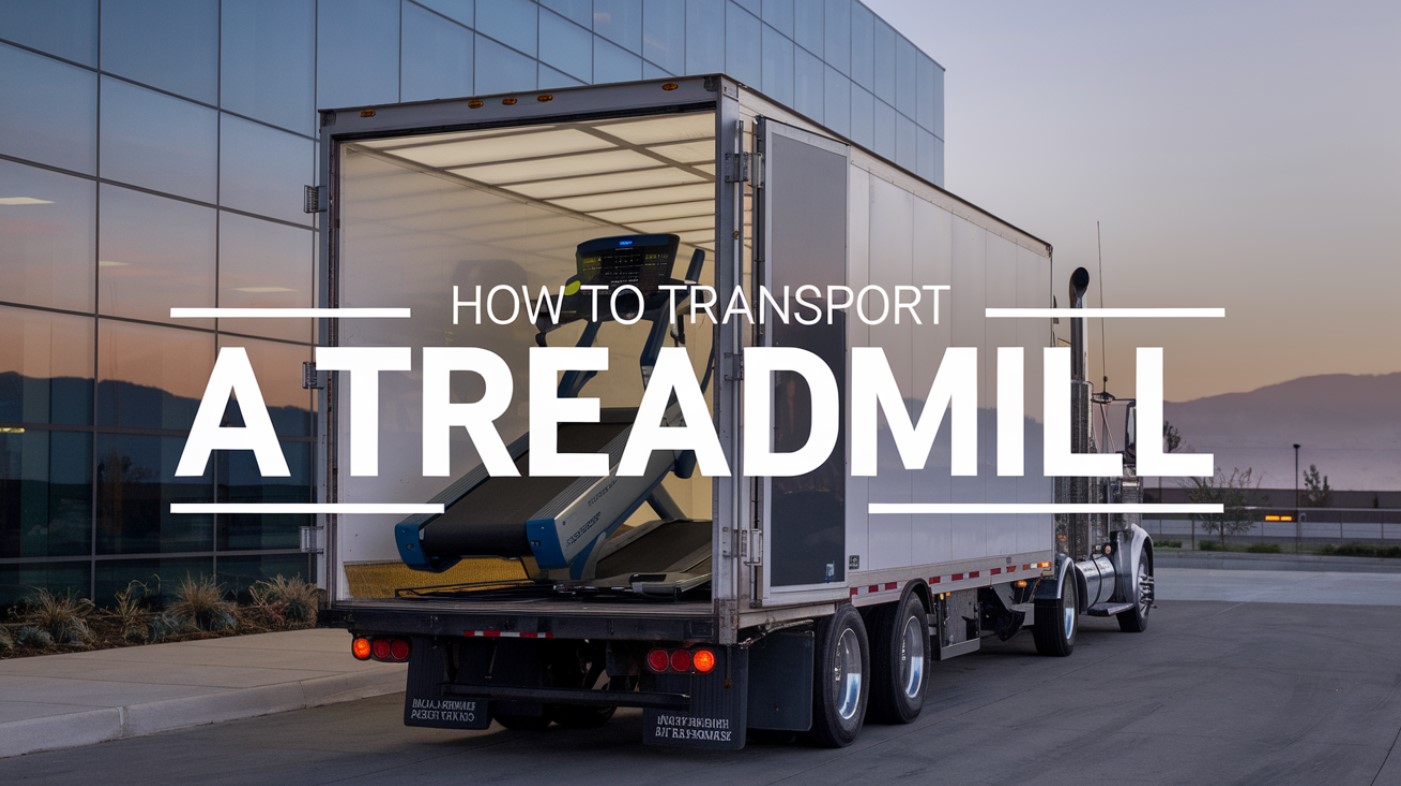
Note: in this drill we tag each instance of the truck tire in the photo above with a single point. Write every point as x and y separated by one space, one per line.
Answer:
1135 620
841 683
899 660
1057 620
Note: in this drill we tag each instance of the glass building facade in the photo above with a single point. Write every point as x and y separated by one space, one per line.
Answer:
153 154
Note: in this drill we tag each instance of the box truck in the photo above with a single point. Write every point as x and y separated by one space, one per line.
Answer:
680 581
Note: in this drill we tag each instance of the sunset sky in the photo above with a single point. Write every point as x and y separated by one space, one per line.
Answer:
1243 154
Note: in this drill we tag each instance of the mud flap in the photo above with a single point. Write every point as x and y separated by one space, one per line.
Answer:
718 713
424 701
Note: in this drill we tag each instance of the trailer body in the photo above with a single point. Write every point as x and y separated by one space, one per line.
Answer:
429 205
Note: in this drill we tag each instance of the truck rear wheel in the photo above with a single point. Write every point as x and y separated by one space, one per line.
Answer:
1135 620
899 660
1057 620
840 686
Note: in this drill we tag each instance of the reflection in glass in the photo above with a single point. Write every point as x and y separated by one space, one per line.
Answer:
265 265
512 22
885 129
924 163
357 54
437 59
240 481
136 485
664 33
45 493
581 11
837 105
863 45
67 28
278 368
154 140
499 70
566 46
170 44
150 376
809 73
742 47
906 79
49 225
837 40
550 78
237 574
778 66
161 576
705 36
863 120
620 21
808 25
614 64
263 170
153 253
268 61
18 582
45 367
50 111
779 13
904 141
457 10
924 91
884 49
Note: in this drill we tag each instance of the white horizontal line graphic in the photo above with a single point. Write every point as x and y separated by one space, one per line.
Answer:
398 508
908 508
1106 313
289 313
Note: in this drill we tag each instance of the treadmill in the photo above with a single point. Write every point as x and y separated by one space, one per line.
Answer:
563 525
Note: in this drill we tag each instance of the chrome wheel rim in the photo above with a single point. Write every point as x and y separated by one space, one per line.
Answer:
912 657
847 674
1145 590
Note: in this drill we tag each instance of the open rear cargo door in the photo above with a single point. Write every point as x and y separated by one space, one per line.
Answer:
801 240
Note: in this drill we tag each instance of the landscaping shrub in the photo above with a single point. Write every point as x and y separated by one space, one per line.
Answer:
201 604
63 617
7 641
1263 548
282 601
129 615
1210 545
1168 544
32 636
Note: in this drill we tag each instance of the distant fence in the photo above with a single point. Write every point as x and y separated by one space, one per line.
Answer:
1313 527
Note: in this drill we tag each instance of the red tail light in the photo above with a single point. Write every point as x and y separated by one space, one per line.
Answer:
681 660
703 660
399 649
380 649
658 660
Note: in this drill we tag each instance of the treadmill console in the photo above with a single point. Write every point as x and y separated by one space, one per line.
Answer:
644 261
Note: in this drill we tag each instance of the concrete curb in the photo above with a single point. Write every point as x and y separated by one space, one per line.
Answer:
88 726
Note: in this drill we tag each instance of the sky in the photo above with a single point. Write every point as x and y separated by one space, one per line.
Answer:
1243 154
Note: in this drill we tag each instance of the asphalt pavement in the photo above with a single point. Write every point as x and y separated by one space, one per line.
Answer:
1244 690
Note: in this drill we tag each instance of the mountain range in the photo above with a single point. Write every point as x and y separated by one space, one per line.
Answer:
1348 425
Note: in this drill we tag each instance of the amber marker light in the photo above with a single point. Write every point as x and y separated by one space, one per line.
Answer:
360 648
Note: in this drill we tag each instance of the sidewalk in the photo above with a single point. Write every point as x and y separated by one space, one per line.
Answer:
59 701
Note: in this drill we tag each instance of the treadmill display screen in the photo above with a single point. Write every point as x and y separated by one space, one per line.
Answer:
644 261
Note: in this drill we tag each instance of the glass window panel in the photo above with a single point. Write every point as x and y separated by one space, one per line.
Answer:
357 54
149 376
808 87
566 46
837 105
885 129
278 368
924 163
924 92
905 154
664 33
18 582
650 71
581 11
863 46
620 21
778 67
614 64
49 225
837 38
807 25
752 6
550 79
906 77
263 170
742 47
67 28
268 61
437 57
45 367
512 22
499 70
240 481
884 61
158 141
863 118
938 161
170 44
136 485
779 13
705 36
161 576
938 102
45 493
265 265
458 10
237 574
153 254
50 111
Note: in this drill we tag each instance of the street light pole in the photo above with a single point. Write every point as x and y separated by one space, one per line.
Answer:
1298 528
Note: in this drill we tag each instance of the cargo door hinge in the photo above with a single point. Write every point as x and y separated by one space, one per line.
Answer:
742 168
735 372
751 546
311 378
313 199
